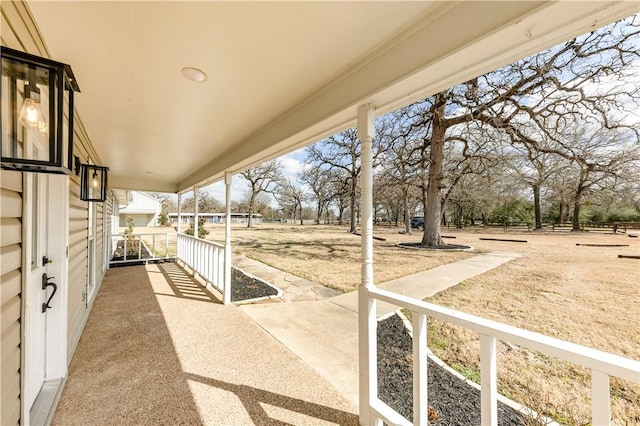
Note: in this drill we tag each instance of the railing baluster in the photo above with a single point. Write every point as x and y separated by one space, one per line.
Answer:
600 398
153 247
213 261
210 264
216 272
205 264
420 400
221 263
488 380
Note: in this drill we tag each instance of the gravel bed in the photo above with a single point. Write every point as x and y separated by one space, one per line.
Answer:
244 287
453 402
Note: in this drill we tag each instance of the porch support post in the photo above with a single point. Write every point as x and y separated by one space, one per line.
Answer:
179 212
195 212
226 294
368 386
196 264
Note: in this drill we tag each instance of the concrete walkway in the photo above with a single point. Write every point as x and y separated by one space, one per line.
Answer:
323 332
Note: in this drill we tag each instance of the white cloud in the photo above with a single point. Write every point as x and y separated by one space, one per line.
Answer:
291 166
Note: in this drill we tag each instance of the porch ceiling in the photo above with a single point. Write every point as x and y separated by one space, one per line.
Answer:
280 74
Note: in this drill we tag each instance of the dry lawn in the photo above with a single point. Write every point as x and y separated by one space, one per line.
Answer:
581 294
329 254
585 295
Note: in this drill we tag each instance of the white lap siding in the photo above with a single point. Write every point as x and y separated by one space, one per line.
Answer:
79 304
11 294
78 264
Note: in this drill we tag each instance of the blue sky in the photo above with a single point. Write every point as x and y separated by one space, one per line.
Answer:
292 164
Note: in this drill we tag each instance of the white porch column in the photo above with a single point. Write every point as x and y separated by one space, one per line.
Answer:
195 211
195 264
226 294
179 212
368 372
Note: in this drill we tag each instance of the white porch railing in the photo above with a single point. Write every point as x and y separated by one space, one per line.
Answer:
141 247
602 365
205 258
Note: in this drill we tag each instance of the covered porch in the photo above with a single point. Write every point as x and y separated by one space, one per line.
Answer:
165 348
162 349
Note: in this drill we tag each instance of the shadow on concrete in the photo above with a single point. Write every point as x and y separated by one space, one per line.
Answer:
184 286
253 399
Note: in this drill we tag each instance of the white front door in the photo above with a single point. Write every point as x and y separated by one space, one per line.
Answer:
45 244
36 193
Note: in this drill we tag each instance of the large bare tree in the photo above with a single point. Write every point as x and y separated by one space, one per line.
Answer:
261 179
291 197
541 94
601 159
319 180
341 151
400 162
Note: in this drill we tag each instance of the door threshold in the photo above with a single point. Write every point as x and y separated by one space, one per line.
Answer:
45 404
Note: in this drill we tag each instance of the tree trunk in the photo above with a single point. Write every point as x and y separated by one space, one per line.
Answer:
576 215
405 211
576 206
319 213
536 202
302 220
432 212
561 212
352 207
252 201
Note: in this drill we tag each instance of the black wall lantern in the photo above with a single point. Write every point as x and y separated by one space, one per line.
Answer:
93 182
37 113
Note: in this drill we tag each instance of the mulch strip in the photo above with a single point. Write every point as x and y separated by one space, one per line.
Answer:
244 287
451 400
419 246
602 245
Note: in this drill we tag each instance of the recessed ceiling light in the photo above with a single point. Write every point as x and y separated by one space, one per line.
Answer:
194 74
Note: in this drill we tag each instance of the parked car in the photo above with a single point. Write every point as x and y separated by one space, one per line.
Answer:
417 222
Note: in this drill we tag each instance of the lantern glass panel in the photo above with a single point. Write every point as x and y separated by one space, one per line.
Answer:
93 184
27 108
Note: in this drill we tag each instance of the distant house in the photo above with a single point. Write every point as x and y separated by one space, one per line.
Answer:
142 207
214 217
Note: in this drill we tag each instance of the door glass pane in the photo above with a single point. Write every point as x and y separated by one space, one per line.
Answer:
91 219
35 211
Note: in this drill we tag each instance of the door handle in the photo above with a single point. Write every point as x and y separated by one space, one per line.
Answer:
45 284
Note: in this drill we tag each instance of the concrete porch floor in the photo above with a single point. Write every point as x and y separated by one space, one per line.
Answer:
158 348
